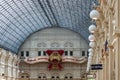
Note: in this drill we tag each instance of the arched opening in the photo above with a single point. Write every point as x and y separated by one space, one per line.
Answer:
24 76
55 76
42 76
68 76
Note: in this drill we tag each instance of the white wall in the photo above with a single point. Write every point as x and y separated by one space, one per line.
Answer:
54 38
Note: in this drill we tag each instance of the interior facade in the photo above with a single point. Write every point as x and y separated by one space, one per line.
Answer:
59 40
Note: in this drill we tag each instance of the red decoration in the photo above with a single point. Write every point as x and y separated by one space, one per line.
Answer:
55 59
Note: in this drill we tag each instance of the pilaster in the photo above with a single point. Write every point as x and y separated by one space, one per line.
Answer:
117 60
111 63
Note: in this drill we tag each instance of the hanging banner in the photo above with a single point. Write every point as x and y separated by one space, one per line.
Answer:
55 55
70 59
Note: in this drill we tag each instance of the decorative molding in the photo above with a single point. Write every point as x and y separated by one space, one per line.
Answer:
68 44
42 44
64 59
55 44
68 74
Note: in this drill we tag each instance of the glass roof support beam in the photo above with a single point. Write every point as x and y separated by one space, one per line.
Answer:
14 17
24 15
29 14
44 12
56 11
9 32
35 13
48 3
13 24
39 11
60 3
65 8
70 12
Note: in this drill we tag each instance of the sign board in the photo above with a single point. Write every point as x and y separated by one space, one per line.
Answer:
96 66
91 75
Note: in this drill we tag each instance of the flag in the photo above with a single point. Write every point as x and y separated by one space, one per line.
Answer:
106 45
104 49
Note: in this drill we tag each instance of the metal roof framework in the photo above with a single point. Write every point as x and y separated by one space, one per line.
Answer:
20 18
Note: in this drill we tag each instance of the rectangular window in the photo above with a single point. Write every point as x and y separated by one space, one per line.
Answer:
22 53
66 53
27 53
44 53
39 53
71 53
83 53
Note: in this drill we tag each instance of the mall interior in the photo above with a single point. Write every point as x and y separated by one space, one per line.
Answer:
59 40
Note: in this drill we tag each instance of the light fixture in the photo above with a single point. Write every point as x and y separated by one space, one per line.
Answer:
18 71
92 44
91 37
91 54
92 28
90 50
89 63
113 22
94 14
87 69
22 71
89 58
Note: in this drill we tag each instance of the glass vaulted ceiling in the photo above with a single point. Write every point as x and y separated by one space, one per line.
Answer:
20 18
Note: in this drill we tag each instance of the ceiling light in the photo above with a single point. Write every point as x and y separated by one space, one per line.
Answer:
94 14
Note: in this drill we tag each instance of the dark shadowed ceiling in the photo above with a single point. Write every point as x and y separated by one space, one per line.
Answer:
20 18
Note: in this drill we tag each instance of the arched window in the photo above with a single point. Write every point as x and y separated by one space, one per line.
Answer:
42 44
42 76
55 76
68 76
25 76
55 44
68 44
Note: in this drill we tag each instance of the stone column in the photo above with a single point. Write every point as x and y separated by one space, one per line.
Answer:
117 59
15 67
117 12
2 63
117 43
107 68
